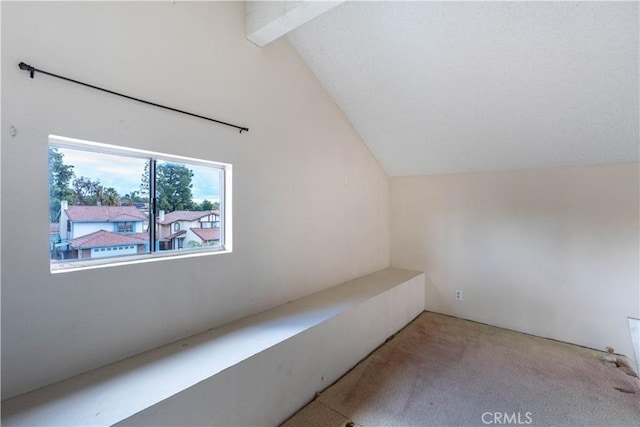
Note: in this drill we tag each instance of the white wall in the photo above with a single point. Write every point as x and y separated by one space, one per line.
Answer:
300 163
549 252
79 229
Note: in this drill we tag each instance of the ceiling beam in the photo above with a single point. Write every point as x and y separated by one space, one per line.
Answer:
269 20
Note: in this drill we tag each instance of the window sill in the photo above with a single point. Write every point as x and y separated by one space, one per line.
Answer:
73 265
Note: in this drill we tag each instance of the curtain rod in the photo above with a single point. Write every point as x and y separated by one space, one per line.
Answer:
32 70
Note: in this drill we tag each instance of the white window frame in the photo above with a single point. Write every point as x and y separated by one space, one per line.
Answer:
226 218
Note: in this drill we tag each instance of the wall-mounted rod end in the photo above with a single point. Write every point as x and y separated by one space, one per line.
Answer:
244 129
27 67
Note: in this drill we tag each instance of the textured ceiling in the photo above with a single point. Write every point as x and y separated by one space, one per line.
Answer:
440 87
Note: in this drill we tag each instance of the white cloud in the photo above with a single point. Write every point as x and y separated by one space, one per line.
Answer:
120 172
125 173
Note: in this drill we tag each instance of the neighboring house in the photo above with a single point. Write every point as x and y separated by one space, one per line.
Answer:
103 243
101 231
181 229
203 236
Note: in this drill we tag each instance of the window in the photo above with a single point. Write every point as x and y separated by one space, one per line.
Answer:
124 227
112 202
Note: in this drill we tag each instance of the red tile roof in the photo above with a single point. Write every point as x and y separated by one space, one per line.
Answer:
143 236
107 238
207 234
104 213
186 216
176 234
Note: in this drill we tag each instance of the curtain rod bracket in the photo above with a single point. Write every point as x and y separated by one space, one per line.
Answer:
27 67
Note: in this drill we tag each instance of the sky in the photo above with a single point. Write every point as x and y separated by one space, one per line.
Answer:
125 173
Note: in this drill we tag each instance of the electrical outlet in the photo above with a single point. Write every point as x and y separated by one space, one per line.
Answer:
458 295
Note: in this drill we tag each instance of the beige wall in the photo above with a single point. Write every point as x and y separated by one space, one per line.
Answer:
310 201
549 252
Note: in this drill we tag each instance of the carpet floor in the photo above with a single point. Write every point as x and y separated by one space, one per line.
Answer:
444 371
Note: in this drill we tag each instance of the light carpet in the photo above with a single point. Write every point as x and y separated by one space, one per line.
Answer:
444 371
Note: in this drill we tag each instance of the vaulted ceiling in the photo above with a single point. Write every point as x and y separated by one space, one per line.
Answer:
443 87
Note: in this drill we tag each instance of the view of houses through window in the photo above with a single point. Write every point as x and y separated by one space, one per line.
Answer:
100 204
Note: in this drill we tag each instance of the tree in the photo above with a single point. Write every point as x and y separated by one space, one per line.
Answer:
173 187
133 197
60 175
206 205
85 191
194 244
108 196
